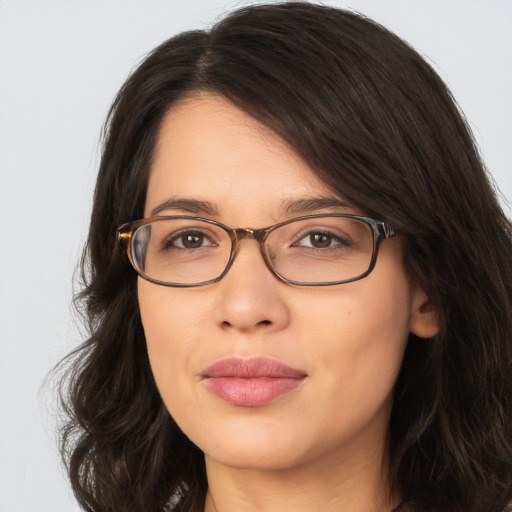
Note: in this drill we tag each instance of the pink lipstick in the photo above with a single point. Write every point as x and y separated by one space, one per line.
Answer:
251 382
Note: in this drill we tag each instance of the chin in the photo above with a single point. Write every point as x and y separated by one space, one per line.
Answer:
256 457
243 447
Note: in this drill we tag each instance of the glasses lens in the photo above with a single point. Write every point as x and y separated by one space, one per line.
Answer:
321 249
180 251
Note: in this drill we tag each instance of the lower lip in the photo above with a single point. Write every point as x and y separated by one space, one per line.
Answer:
247 392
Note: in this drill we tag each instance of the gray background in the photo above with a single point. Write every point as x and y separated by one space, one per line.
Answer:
60 65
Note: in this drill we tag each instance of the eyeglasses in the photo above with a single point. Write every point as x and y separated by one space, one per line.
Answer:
312 250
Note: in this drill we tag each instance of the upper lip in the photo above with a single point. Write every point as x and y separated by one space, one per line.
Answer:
251 368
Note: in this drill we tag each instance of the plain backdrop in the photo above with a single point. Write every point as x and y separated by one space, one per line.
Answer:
61 63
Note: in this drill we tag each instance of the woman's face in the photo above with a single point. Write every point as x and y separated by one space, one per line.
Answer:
258 373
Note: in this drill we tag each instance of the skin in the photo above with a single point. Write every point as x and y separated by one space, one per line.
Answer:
321 445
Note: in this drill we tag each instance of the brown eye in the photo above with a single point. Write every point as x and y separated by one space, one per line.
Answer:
192 241
188 240
320 240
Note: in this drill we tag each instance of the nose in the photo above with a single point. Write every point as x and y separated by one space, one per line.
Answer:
250 298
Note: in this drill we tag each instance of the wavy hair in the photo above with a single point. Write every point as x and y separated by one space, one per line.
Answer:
377 125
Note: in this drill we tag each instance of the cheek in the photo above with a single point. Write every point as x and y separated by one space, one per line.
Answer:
362 314
358 337
170 328
169 316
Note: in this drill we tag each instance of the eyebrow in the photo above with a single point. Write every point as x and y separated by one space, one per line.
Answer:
312 204
185 205
291 206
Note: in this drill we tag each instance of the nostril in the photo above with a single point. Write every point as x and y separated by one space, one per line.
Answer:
229 325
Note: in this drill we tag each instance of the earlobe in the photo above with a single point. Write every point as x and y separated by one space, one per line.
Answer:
424 320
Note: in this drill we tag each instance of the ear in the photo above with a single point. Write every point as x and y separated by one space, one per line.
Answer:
424 322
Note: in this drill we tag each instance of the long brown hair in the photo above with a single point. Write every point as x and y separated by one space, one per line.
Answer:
378 125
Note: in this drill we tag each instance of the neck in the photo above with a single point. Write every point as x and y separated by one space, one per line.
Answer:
354 486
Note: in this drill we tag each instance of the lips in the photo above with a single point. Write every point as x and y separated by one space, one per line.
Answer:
251 382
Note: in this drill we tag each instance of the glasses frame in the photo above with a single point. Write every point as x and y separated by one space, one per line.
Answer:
379 230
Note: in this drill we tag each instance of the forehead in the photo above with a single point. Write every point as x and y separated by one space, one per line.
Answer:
210 150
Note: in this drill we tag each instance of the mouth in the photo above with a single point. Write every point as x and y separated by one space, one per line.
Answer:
251 382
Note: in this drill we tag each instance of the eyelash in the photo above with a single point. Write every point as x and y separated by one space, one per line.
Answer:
169 242
340 241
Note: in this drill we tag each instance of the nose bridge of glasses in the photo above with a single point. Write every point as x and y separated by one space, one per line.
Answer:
256 234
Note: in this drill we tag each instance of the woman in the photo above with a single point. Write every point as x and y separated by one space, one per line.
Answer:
322 314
